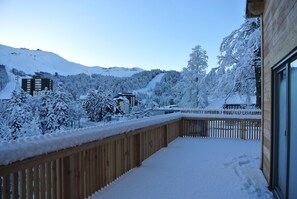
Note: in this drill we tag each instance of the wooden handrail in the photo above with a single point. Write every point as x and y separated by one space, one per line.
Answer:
80 171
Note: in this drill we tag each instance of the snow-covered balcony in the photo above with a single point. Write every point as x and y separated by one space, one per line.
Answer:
121 160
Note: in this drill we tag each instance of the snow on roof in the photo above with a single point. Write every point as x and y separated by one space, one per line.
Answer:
240 99
83 97
121 98
233 99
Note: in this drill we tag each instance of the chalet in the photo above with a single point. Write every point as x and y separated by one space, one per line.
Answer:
36 84
240 102
279 91
125 101
83 100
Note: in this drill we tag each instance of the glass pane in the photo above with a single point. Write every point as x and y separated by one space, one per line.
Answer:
281 177
293 133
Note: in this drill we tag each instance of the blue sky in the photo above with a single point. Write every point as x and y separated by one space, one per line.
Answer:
127 33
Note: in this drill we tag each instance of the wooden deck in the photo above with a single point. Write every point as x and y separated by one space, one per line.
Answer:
195 168
80 171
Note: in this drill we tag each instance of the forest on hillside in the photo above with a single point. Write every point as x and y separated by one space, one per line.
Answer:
238 72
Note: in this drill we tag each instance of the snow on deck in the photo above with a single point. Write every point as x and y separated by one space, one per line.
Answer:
195 168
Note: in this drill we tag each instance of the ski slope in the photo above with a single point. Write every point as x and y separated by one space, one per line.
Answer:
12 85
149 89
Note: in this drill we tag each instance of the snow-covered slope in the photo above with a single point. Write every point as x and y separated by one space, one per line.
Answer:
151 85
12 85
31 61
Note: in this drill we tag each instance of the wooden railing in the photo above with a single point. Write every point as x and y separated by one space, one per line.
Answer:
222 128
223 111
211 111
80 171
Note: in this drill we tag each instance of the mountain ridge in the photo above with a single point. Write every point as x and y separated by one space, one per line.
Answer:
31 61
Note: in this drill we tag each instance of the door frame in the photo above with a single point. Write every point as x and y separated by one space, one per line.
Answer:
282 65
275 137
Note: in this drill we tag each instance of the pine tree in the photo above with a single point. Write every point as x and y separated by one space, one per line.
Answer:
192 77
98 104
60 115
45 108
21 119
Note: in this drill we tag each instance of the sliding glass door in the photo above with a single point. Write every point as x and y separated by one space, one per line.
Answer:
285 130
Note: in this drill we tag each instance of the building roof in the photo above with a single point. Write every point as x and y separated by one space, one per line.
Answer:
254 8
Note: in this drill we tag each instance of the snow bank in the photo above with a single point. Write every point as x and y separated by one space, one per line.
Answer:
11 151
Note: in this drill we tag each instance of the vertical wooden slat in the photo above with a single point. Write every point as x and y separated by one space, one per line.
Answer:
29 183
53 179
22 184
100 165
42 181
36 182
1 185
93 172
58 179
15 187
81 175
6 187
96 171
62 178
48 179
181 131
137 153
118 158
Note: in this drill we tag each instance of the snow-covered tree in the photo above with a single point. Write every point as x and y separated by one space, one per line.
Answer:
98 104
56 110
188 91
20 117
60 114
241 54
45 108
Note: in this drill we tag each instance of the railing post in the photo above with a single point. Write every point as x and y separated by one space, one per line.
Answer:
181 129
166 136
138 153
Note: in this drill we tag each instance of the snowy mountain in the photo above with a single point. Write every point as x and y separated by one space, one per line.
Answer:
31 61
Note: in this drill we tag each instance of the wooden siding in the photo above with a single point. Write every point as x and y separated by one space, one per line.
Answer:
279 30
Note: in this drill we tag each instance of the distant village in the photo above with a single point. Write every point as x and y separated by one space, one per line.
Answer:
124 101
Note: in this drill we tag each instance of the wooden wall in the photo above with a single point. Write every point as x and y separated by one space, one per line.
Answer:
279 30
